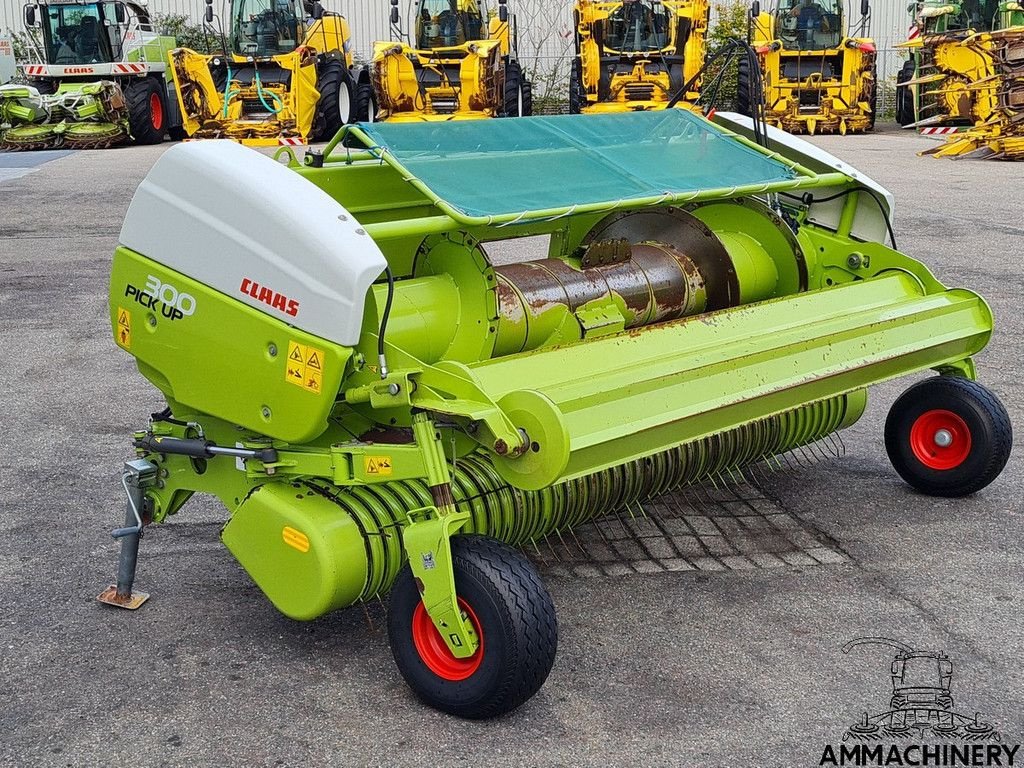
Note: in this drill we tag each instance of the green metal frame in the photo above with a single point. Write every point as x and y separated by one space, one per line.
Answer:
540 429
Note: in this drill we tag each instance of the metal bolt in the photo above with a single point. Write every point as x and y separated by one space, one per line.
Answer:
151 319
342 217
272 350
854 260
501 447
394 389
360 231
265 411
943 438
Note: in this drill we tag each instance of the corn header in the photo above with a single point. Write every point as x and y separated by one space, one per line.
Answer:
637 55
381 407
97 79
461 63
818 75
965 78
285 75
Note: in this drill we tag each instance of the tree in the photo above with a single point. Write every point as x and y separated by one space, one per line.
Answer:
546 49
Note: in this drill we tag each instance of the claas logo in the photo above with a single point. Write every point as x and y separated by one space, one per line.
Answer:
270 297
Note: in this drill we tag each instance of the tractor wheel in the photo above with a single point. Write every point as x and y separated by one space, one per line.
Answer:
513 106
904 94
366 103
527 101
501 593
743 105
335 107
948 436
147 114
577 93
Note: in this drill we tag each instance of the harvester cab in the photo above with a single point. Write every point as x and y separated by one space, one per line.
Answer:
98 79
403 411
818 75
964 78
637 55
459 62
284 75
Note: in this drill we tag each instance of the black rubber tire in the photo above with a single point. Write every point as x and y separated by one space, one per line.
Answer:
743 87
577 94
513 89
987 423
366 106
335 85
527 87
138 96
904 96
873 96
516 622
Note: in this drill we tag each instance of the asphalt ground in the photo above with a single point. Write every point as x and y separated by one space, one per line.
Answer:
712 664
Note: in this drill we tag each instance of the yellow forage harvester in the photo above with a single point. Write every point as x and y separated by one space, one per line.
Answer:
965 79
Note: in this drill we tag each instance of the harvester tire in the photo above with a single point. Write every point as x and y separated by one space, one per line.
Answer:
904 95
366 104
147 113
577 93
504 597
872 98
514 103
948 436
336 105
527 88
743 105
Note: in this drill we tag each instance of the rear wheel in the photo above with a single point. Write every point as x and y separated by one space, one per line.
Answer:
501 593
366 103
871 97
905 94
147 114
743 102
948 436
335 107
526 99
577 93
513 90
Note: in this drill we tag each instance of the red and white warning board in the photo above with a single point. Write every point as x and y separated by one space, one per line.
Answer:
7 65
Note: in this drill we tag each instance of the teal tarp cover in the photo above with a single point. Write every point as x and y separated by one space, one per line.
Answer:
509 166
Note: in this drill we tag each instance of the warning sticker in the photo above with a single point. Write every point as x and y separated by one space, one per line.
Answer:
124 328
377 465
304 367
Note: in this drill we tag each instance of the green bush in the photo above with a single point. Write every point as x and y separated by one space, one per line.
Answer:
188 34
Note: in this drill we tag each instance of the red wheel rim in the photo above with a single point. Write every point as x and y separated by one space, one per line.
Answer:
940 439
433 651
156 111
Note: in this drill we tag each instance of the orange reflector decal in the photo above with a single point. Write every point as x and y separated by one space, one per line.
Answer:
295 539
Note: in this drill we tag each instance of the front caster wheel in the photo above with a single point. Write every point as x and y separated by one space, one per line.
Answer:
501 593
948 436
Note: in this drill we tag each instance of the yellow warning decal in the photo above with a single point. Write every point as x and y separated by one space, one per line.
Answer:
295 539
304 367
377 465
124 328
